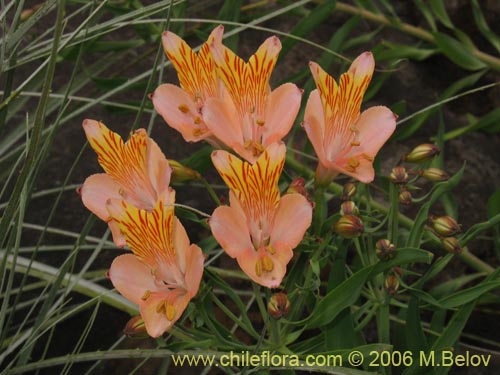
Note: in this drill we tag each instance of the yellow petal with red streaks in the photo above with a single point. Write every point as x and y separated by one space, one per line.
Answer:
148 234
196 71
247 83
255 186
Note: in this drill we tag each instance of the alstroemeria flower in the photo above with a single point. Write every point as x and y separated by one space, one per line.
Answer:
164 272
259 228
252 117
136 171
181 107
346 141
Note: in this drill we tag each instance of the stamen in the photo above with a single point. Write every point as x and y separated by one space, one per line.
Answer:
169 311
197 132
355 143
121 192
270 249
146 295
260 122
197 120
258 267
267 264
367 157
353 162
183 108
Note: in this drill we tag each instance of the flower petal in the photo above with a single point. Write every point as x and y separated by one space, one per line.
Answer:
222 120
229 227
282 107
96 191
179 111
126 163
314 124
196 71
293 217
248 259
156 322
131 277
194 269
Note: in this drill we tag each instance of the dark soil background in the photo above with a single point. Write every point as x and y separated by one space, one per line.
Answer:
418 83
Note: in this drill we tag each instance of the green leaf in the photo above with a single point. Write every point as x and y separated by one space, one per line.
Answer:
347 293
440 11
465 296
307 24
457 52
395 51
489 123
483 26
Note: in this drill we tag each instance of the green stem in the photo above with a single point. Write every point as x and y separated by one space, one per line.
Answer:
210 190
319 210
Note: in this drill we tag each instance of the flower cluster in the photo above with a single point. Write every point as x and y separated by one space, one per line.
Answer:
228 103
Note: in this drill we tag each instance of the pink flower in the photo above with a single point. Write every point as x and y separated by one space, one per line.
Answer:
252 116
181 107
136 171
346 141
164 272
259 228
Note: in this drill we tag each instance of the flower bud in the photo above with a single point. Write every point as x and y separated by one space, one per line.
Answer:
451 245
181 173
422 153
298 186
348 208
445 226
135 328
391 284
349 191
434 174
348 226
385 250
405 198
278 305
399 175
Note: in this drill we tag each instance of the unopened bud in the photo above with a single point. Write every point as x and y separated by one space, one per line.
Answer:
445 226
349 226
405 197
348 208
391 284
434 174
399 175
27 13
349 191
181 173
422 153
135 328
385 250
278 305
298 186
451 245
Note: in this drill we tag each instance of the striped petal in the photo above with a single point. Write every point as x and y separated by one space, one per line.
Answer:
196 71
138 166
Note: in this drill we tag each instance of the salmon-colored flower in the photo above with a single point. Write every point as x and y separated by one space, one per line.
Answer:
346 141
136 171
181 107
252 117
164 272
259 228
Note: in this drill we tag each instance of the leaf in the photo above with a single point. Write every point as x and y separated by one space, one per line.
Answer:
483 26
457 52
394 51
440 11
307 24
347 293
